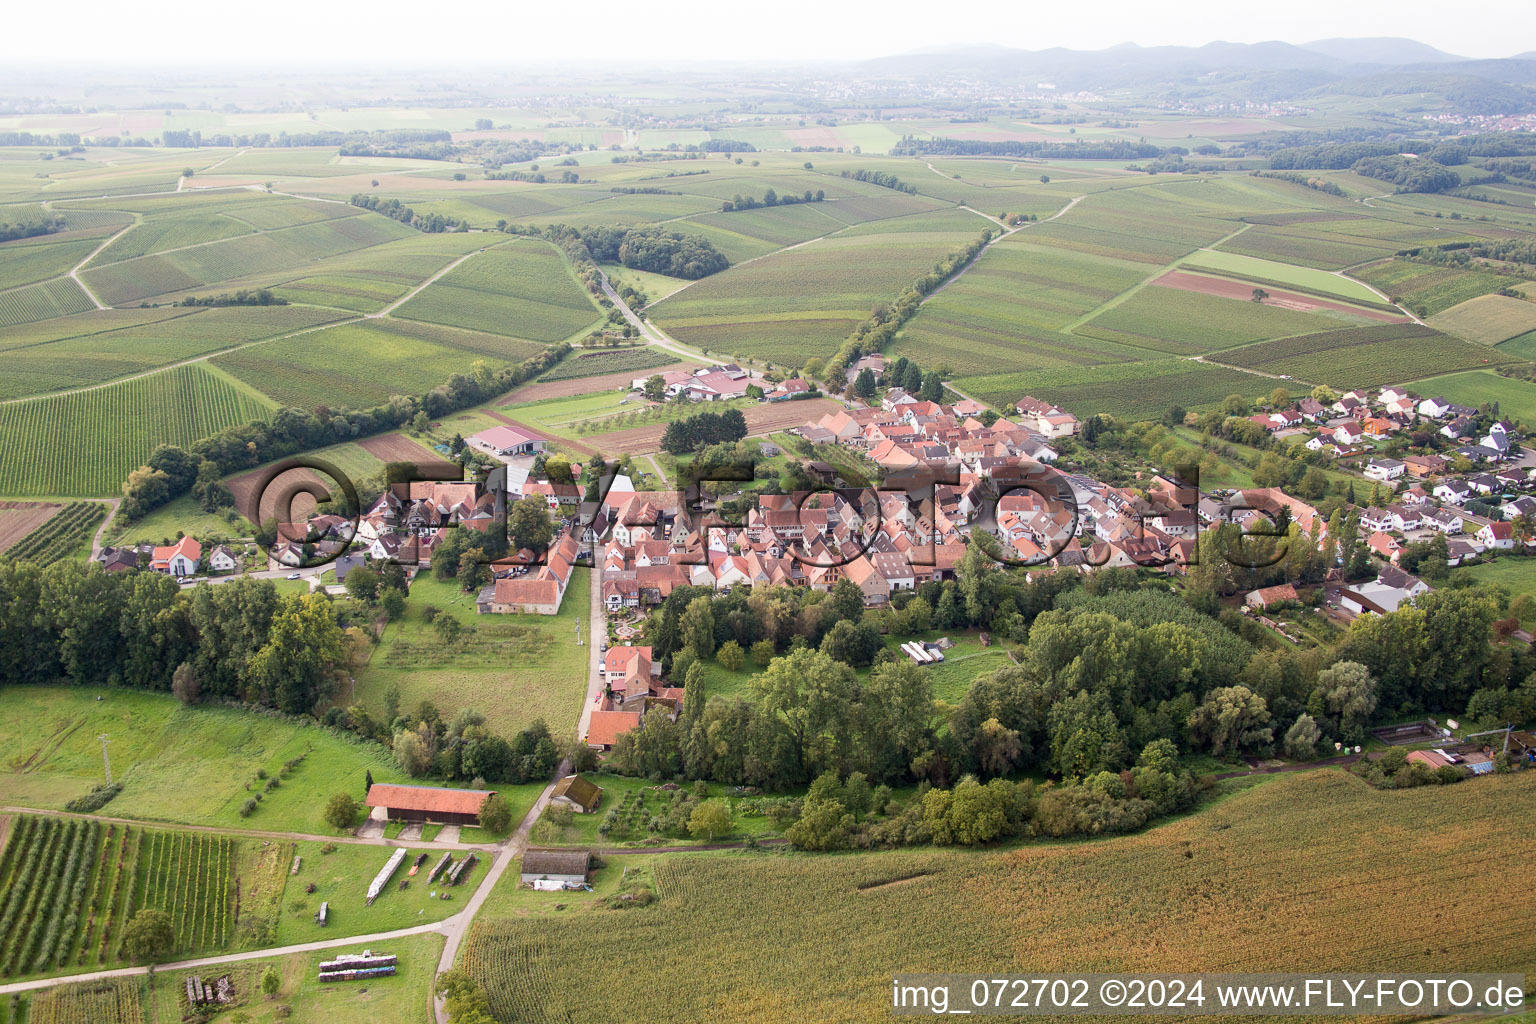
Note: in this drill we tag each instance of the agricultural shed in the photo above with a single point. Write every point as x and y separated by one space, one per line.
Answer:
556 866
578 793
429 803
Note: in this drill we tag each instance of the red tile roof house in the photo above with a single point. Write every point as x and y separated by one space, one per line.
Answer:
1270 595
428 803
180 559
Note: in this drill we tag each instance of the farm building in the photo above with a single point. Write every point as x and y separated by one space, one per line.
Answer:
577 793
428 803
1270 595
507 440
562 866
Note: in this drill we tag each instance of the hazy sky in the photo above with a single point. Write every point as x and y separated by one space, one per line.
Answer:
661 30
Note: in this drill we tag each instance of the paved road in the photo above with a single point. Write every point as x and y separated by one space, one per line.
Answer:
647 331
595 656
511 849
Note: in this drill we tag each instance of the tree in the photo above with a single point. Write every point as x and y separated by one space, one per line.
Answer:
184 683
1231 718
448 628
496 814
655 388
1349 692
1259 295
362 584
411 754
709 819
762 653
149 937
864 383
341 811
933 387
367 781
557 468
1301 738
271 981
393 604
697 627
997 748
730 656
1280 398
528 523
292 670
474 570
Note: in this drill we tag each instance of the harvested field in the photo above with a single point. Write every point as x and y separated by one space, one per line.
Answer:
1232 289
761 419
19 518
538 392
396 448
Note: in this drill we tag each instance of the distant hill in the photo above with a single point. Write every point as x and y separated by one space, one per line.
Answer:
1380 50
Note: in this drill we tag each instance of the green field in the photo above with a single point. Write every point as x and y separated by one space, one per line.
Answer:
524 291
1430 288
359 365
42 301
37 259
1177 322
1516 398
189 765
66 535
943 904
789 306
84 444
1307 278
1363 356
625 360
94 358
1511 571
1127 391
1488 319
402 998
511 668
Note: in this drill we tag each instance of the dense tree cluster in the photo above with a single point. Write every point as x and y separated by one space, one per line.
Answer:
656 249
462 748
241 297
771 198
1306 180
882 178
431 223
28 221
700 430
1409 175
242 640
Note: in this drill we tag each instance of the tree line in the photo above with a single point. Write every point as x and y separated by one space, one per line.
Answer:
656 249
883 179
28 222
771 198
431 223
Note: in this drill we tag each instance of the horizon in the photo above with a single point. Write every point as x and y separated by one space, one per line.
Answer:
687 32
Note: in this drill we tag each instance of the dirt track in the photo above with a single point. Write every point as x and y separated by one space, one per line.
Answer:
19 518
761 419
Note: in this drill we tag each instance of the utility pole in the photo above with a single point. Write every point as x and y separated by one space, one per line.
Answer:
106 763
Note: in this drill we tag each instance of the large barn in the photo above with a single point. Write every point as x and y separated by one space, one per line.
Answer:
565 867
429 803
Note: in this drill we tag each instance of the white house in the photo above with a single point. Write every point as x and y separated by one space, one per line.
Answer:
1435 407
1385 469
180 559
221 559
1497 536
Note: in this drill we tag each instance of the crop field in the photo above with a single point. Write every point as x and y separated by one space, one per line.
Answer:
792 305
633 361
1488 319
1516 398
1433 289
1142 903
42 301
73 884
1127 391
175 273
103 356
1189 323
511 668
1363 356
360 365
1150 224
28 260
85 443
367 280
1254 269
1524 346
524 291
1008 310
64 535
107 1001
187 765
79 325
19 518
174 231
1278 298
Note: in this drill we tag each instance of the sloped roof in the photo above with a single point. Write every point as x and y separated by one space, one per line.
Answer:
556 862
580 791
427 798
